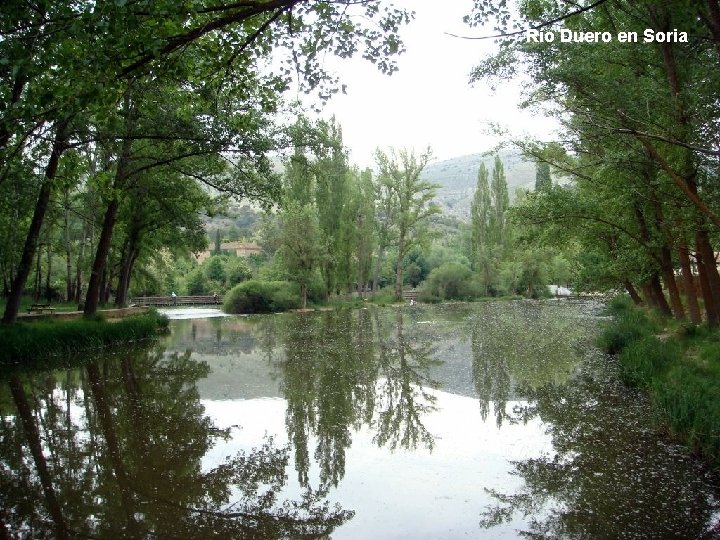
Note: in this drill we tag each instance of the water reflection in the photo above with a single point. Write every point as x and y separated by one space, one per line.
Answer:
608 476
114 451
342 370
489 420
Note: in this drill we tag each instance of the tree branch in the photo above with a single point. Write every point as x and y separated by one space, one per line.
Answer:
536 27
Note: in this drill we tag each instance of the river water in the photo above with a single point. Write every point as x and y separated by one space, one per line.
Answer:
488 420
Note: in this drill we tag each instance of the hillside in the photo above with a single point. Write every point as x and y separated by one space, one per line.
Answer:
458 177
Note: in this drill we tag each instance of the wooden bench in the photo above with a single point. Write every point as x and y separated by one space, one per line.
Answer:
41 308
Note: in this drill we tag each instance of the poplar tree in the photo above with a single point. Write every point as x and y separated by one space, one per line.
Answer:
412 199
543 180
480 213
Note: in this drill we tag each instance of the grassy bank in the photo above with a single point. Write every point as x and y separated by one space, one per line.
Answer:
678 366
43 342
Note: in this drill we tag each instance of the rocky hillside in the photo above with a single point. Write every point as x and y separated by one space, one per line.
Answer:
458 177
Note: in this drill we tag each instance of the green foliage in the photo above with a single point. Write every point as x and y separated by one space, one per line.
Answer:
629 326
689 398
214 269
262 297
543 180
237 271
450 281
195 283
681 371
407 202
300 245
39 342
645 358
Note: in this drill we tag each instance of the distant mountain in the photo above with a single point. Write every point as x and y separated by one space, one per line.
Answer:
458 178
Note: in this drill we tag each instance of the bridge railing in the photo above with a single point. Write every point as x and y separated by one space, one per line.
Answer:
177 301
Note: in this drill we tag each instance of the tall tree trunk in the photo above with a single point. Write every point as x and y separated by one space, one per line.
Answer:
68 262
632 292
129 256
123 283
103 249
399 268
33 437
668 275
649 295
662 302
710 264
705 267
92 298
23 271
48 275
378 267
689 284
38 275
80 260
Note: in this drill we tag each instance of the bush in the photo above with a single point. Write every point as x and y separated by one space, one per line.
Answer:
450 281
256 296
237 272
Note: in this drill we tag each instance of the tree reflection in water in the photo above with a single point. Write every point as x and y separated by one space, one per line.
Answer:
404 368
114 451
346 369
522 345
584 490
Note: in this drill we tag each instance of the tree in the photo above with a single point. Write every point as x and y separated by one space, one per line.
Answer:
498 229
62 78
412 200
490 237
543 180
300 245
480 215
364 226
648 168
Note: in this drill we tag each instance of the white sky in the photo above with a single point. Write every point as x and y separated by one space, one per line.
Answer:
429 101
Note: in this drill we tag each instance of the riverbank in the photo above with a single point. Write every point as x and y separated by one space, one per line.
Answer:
679 366
41 342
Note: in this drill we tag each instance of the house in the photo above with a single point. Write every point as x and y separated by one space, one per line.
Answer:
241 249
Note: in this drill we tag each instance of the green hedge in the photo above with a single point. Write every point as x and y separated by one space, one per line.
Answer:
256 296
30 343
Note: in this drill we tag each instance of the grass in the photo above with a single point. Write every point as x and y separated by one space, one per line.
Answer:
383 297
45 342
679 366
26 302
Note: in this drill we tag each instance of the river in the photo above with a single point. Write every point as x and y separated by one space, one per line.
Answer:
486 420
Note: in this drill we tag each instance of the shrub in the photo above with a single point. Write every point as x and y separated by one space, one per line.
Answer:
237 272
450 281
256 296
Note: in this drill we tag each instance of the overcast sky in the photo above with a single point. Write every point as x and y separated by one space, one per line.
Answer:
429 101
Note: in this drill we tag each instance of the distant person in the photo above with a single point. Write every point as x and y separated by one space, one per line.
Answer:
174 298
215 298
